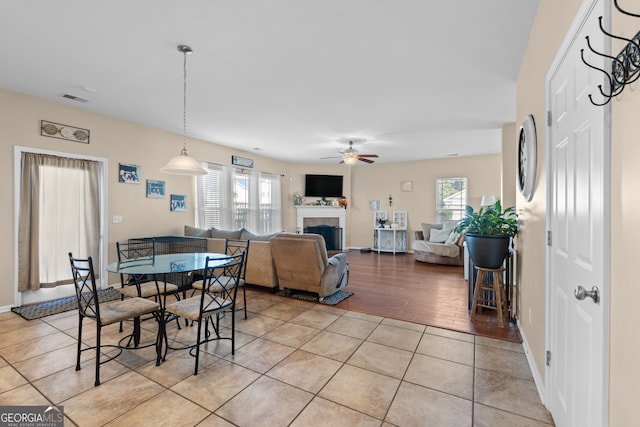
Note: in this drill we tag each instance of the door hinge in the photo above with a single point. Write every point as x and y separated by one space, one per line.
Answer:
548 237
548 358
549 117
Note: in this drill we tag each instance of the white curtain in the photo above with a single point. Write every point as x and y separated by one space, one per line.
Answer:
226 198
258 196
60 213
276 203
253 222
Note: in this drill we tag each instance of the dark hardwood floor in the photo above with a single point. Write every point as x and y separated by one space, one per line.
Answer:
398 287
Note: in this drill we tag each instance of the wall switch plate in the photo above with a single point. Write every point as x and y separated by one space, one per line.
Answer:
117 219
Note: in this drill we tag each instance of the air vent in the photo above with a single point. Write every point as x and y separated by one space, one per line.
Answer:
75 98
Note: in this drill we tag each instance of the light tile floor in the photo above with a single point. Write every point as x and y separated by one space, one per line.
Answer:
296 363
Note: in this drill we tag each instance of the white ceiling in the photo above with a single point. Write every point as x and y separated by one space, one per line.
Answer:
418 79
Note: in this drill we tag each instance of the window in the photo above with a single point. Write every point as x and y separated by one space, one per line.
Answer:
232 200
60 212
451 198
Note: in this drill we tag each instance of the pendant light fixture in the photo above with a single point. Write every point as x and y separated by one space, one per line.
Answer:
183 164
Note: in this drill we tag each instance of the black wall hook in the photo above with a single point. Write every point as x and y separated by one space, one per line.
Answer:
625 66
615 2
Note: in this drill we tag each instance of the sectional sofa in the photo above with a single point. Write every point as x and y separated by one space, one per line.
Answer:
261 269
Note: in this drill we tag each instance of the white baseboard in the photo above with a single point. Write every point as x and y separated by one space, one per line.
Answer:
537 378
5 308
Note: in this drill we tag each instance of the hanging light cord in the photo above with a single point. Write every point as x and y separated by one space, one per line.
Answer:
184 99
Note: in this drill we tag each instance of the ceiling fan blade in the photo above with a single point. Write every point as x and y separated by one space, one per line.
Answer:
368 155
362 159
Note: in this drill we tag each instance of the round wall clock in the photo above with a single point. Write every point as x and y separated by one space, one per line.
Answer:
527 151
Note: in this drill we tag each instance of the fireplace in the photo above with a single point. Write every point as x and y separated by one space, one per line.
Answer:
327 221
332 235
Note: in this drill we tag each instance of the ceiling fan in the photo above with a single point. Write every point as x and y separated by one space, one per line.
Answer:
350 156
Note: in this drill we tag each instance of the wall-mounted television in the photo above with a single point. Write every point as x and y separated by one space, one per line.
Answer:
323 186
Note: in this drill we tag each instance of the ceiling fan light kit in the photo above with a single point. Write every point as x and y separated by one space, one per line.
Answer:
350 156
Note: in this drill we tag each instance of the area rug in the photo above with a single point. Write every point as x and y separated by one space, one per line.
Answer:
333 299
36 311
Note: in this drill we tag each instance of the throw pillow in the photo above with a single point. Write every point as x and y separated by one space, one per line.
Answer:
196 232
452 239
224 234
426 229
247 235
439 236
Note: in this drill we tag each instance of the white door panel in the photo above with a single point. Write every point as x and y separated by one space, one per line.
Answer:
578 162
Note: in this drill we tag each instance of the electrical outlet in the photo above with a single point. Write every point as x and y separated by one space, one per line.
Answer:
117 219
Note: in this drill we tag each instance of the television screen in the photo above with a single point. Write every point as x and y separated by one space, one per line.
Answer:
323 186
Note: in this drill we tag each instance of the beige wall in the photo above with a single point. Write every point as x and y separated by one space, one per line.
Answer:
377 182
295 178
118 141
552 22
509 164
624 349
363 183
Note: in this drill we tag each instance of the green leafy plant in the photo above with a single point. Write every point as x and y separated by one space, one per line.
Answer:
492 221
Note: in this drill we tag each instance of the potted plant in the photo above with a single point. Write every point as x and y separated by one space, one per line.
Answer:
488 233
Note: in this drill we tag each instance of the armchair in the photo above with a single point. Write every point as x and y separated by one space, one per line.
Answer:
302 263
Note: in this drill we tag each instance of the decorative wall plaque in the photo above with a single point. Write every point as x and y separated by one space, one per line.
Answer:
60 131
241 161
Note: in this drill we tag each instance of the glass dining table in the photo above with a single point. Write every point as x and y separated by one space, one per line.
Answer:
162 265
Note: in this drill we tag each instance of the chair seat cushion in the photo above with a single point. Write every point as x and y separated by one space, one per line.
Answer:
148 289
189 308
126 309
216 287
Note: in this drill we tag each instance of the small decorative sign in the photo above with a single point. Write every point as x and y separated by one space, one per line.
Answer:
241 161
178 203
60 131
129 174
155 189
407 185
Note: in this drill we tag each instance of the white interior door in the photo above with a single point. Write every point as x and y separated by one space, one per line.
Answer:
578 172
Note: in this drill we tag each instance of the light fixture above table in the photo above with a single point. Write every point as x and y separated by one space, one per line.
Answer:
183 164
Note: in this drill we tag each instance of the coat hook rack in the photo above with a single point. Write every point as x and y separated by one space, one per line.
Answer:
624 66
615 2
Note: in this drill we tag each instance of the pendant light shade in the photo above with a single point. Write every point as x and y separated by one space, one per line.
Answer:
183 164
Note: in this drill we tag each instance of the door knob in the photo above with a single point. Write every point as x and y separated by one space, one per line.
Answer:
581 293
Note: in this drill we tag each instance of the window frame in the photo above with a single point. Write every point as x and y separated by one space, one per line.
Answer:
458 211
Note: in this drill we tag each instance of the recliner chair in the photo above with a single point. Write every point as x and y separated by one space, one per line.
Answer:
302 263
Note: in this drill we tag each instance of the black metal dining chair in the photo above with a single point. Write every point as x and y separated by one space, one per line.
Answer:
216 298
89 307
234 247
145 286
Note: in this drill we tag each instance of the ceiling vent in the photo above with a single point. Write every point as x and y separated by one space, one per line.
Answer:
75 98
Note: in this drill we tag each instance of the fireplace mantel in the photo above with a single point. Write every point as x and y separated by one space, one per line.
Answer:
303 212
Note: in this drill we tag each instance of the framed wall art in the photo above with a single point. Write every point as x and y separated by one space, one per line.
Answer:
129 174
241 161
60 131
178 203
155 189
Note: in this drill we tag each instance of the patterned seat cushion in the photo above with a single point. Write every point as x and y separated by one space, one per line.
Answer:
189 308
126 309
148 289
